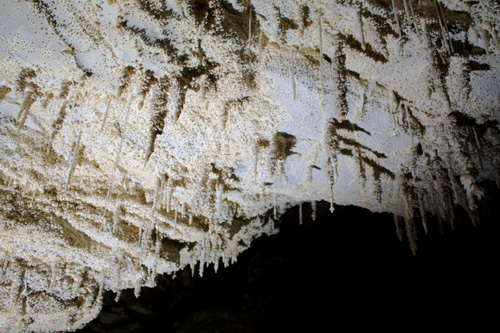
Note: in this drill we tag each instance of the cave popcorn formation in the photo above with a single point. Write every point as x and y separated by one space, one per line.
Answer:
139 137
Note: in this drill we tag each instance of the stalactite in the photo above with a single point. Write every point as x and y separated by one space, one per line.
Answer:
443 28
250 25
454 185
395 11
219 193
260 48
274 207
158 242
61 116
115 165
399 227
175 221
292 70
216 265
169 194
155 198
413 20
280 169
117 297
108 103
256 154
340 104
320 51
139 238
31 97
411 234
332 207
137 290
74 159
300 213
423 215
407 12
360 28
313 213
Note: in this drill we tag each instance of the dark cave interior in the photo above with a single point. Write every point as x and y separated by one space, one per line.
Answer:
346 269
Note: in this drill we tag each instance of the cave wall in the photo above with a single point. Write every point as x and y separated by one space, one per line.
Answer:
139 137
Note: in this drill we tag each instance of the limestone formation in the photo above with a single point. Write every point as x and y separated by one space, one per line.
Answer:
141 137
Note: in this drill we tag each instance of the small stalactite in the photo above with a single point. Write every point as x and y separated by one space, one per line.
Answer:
474 143
159 109
399 224
65 94
423 214
411 234
30 98
175 220
179 106
249 24
332 206
450 210
139 237
148 81
117 159
169 190
331 179
436 76
396 18
161 195
74 159
413 19
320 49
219 192
256 163
445 34
378 185
362 102
361 33
340 81
137 289
362 170
260 48
280 169
407 11
454 185
292 71
314 210
125 80
108 103
158 241
155 198
118 295
274 207
300 213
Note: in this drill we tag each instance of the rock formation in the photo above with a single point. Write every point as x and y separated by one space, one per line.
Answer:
139 137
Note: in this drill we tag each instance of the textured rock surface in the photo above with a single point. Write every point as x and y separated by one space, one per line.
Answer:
138 137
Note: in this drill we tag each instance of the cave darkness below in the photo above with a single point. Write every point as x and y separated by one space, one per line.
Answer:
344 270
